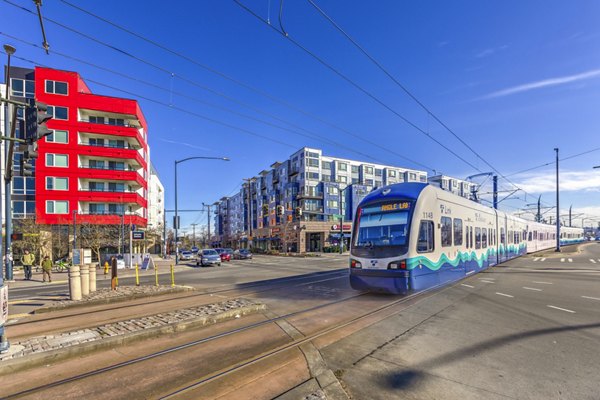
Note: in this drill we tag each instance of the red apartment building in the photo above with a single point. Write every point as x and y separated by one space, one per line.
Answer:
95 164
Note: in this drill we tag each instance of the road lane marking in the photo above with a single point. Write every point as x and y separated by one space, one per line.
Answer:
537 259
562 309
464 284
543 259
570 260
483 280
470 272
592 260
503 294
532 288
591 298
544 283
562 260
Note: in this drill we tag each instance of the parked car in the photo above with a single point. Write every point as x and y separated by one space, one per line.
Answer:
242 254
223 254
230 252
186 255
208 257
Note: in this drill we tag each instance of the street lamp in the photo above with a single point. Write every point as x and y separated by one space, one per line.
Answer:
176 220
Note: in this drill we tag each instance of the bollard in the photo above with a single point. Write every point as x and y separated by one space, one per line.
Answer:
105 268
172 275
137 275
74 283
92 278
113 275
84 275
156 274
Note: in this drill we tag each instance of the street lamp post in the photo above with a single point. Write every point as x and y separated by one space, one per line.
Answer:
176 220
557 206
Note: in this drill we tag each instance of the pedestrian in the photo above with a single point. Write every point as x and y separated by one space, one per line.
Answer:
47 269
27 260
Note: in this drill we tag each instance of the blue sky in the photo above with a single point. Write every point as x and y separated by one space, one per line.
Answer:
513 79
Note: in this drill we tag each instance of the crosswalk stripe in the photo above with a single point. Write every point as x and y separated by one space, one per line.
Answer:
562 260
570 260
536 259
593 261
543 259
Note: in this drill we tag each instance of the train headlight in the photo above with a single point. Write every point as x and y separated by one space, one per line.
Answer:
355 264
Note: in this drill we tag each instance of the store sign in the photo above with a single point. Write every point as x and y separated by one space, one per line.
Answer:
336 227
275 230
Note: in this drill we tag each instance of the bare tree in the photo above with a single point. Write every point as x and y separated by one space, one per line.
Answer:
98 236
36 238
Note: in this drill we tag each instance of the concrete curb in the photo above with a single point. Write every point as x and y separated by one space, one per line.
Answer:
82 303
52 356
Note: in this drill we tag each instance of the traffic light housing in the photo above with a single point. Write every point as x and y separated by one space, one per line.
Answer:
265 209
298 212
27 167
280 210
36 116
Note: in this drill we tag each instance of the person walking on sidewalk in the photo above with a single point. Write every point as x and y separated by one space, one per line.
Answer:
27 259
47 269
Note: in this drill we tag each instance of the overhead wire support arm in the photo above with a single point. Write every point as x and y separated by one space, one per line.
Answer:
38 4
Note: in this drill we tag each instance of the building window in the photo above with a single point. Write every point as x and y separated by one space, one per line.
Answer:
23 185
56 87
354 180
22 88
369 182
423 178
312 175
378 172
53 183
311 154
58 137
57 160
333 204
333 190
59 112
355 169
326 178
392 174
57 207
369 170
312 162
23 209
326 164
343 167
342 179
412 177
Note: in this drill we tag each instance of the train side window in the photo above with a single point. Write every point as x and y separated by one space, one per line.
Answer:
458 232
471 235
484 238
477 238
425 240
502 236
530 236
446 231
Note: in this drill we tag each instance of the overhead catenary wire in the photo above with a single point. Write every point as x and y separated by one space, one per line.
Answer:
356 85
243 84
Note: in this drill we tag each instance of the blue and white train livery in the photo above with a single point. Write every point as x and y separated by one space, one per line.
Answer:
412 236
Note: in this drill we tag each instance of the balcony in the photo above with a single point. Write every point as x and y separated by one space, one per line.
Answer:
125 146
111 218
106 173
107 196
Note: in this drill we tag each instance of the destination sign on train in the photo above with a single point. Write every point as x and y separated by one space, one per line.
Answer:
405 205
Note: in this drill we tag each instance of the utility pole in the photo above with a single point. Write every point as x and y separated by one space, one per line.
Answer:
557 206
495 185
341 222
570 208
194 234
249 182
208 207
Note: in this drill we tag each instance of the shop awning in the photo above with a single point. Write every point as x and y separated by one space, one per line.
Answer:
337 235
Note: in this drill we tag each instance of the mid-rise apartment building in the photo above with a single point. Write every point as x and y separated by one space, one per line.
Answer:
326 189
95 166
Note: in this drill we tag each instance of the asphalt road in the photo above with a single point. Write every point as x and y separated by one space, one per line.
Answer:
527 329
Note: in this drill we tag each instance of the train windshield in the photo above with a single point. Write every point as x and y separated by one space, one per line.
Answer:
383 225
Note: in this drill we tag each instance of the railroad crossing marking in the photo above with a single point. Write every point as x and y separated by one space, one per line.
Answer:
503 294
531 288
591 298
562 309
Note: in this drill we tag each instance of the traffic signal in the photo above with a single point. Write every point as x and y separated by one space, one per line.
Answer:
27 167
265 209
298 212
280 210
36 116
16 236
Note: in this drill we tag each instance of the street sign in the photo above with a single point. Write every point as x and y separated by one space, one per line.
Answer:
137 235
3 305
76 256
133 227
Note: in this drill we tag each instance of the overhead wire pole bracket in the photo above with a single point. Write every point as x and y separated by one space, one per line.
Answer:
38 5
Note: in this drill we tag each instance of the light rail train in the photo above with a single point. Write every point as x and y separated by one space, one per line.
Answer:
412 236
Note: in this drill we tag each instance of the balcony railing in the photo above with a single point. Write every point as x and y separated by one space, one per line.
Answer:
107 190
125 146
108 212
106 167
125 123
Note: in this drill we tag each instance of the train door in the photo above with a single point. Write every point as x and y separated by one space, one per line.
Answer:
503 248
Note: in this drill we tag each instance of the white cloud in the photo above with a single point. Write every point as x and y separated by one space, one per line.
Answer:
193 146
544 83
490 51
569 181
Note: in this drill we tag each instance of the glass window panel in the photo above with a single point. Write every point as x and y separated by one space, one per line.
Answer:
61 207
61 183
49 86
60 87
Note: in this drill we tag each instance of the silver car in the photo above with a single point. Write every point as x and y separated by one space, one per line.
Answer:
208 257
